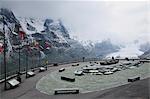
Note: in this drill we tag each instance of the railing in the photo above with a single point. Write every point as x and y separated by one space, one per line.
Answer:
13 73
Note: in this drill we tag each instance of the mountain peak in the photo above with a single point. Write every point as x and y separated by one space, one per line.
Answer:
9 15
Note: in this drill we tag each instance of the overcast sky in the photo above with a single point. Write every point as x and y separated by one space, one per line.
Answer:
118 21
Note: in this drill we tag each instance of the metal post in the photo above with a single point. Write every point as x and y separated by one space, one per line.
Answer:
83 58
26 61
39 58
19 60
5 68
19 78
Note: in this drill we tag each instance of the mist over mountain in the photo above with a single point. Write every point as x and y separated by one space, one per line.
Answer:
145 46
48 36
49 39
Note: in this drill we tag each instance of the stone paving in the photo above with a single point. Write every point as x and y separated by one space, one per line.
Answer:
27 89
89 82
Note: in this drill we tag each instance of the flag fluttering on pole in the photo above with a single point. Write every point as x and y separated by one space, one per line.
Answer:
48 45
1 48
20 32
36 44
22 35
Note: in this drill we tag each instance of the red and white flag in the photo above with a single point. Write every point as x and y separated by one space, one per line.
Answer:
1 48
21 33
47 45
36 44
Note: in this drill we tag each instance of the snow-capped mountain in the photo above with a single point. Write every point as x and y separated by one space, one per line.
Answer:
48 39
48 36
49 33
46 30
31 26
49 30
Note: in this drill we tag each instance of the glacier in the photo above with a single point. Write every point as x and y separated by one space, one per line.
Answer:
129 51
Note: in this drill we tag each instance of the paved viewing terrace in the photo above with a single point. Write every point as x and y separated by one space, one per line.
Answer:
102 87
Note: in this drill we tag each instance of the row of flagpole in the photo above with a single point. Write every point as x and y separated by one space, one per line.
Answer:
4 45
19 53
5 65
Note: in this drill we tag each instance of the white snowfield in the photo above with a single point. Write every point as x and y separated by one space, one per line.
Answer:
130 51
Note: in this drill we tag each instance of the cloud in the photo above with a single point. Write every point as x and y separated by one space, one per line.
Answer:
119 21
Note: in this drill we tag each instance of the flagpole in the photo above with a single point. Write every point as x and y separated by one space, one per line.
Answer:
5 68
27 59
19 49
19 58
19 78
39 57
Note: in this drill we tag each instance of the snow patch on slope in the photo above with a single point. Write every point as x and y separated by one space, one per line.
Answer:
36 23
130 51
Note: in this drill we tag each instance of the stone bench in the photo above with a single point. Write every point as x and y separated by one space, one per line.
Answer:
68 79
62 69
75 64
132 79
78 73
55 64
30 74
13 83
66 91
42 69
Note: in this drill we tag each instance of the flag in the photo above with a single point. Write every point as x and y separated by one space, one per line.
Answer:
36 44
47 45
1 48
21 35
20 32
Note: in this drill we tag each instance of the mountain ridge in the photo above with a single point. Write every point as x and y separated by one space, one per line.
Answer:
44 40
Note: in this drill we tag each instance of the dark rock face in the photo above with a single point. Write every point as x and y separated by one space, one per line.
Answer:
48 22
10 17
30 27
53 26
64 31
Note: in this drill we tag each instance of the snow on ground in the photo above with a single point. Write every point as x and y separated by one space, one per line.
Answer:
130 51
